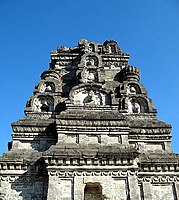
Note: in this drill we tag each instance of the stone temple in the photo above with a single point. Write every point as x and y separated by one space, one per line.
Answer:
90 133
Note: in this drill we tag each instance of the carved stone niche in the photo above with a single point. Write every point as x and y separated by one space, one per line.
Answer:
133 89
90 60
89 96
47 87
137 105
87 47
111 47
43 104
89 68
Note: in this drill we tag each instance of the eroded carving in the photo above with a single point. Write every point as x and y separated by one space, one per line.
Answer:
43 104
89 75
86 97
91 61
47 87
92 99
137 105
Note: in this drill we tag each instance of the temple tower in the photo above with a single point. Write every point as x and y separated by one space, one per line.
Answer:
90 133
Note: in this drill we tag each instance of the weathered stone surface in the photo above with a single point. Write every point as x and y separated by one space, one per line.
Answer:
90 132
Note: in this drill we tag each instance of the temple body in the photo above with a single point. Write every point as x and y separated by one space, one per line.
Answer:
90 133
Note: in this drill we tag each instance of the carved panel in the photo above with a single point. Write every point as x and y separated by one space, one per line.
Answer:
84 97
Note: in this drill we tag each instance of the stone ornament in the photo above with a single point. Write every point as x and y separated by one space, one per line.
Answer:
89 75
83 97
47 87
92 99
43 104
137 106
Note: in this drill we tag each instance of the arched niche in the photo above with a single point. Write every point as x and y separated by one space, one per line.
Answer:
111 47
90 60
137 105
133 88
89 96
93 191
91 47
86 46
47 86
43 104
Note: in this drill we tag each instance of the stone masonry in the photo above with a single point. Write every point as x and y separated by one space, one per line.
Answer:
90 133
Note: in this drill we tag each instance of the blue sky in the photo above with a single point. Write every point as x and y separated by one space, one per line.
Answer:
29 30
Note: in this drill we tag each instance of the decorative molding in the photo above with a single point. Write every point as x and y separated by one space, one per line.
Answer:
67 173
150 137
159 179
28 129
152 131
30 135
123 160
96 123
7 166
21 178
165 166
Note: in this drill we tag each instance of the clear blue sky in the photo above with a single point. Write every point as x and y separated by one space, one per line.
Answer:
147 29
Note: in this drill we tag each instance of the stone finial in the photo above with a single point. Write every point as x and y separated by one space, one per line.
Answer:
50 74
130 73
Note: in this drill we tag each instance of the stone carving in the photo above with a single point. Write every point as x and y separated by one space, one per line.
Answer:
2 196
92 99
133 107
37 105
89 75
111 47
43 104
84 97
106 124
72 173
91 61
137 106
158 179
47 87
131 90
91 48
87 47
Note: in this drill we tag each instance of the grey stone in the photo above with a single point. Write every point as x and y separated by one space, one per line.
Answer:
90 132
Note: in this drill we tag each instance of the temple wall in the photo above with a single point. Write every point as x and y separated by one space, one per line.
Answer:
23 187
